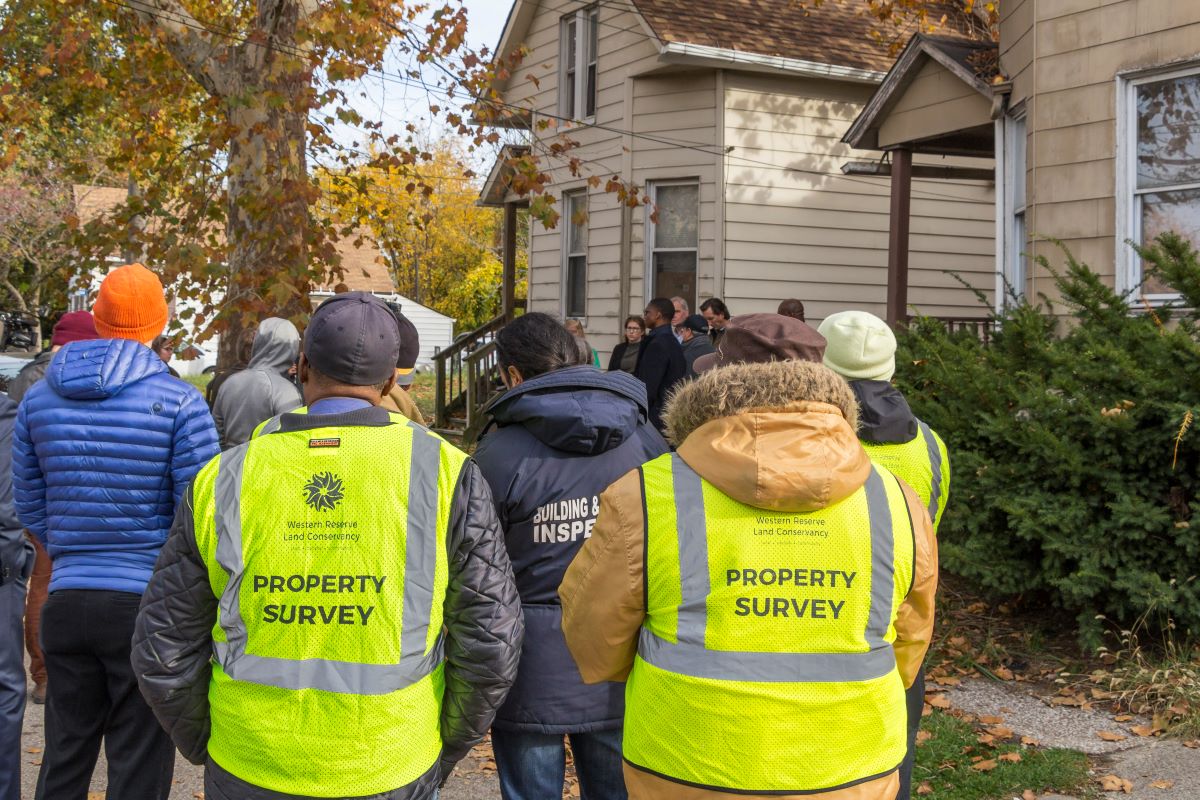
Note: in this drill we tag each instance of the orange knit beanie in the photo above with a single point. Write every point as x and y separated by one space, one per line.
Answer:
130 305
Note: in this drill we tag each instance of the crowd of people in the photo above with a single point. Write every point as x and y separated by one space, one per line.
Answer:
709 569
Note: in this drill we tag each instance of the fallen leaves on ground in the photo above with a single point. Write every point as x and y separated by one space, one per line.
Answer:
1012 758
985 766
1161 784
988 719
1143 730
1111 736
938 700
1029 741
999 731
1029 794
1115 783
925 788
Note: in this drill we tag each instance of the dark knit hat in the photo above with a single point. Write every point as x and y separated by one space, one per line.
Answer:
410 347
77 326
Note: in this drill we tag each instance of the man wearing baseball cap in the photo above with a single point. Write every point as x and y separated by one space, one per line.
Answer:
862 349
334 613
103 449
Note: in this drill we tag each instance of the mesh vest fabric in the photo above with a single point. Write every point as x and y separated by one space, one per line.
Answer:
765 662
327 550
923 463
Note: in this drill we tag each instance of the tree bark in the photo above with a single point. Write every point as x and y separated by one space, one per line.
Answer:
265 84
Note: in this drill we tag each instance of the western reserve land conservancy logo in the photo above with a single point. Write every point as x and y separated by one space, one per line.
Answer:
324 491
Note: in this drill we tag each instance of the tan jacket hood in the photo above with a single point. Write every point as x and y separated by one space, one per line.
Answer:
779 436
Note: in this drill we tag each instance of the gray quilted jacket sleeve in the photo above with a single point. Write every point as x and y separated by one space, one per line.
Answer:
484 624
172 641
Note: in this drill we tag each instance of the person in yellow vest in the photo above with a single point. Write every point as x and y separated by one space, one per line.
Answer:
862 349
333 614
766 591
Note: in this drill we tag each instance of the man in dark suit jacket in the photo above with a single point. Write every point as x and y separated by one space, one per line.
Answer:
661 363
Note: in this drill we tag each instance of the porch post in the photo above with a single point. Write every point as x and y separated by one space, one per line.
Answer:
509 275
901 207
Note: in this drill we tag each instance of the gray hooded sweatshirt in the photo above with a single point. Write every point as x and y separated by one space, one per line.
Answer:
260 391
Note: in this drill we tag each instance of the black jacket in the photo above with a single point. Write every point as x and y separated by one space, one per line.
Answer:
660 366
618 354
697 346
172 643
16 551
562 439
883 414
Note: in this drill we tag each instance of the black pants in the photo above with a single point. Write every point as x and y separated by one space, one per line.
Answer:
915 700
92 695
12 688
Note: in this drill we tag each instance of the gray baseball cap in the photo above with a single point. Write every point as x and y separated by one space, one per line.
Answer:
353 338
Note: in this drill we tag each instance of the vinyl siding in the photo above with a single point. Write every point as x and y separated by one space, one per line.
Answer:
796 227
1064 59
676 107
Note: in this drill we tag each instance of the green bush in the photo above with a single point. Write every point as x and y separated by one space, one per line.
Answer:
1075 464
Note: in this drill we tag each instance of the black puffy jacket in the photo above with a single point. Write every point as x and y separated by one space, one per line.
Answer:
563 437
172 643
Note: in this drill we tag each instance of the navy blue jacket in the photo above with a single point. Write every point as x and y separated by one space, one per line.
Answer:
660 366
562 439
103 450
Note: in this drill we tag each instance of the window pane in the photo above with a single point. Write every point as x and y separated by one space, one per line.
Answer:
590 92
675 274
577 223
1018 141
1170 211
593 35
678 216
572 40
576 286
1168 138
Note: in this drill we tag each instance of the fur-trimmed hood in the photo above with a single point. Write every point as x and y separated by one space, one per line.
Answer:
778 436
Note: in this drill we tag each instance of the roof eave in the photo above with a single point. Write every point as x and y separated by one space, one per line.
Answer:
863 132
705 55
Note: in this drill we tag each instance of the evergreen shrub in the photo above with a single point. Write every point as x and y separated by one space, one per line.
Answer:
1076 466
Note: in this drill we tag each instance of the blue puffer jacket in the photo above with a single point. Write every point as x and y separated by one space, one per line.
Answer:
103 450
563 437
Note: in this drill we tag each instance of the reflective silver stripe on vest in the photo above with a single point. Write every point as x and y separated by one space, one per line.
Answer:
344 677
692 530
935 463
690 657
271 425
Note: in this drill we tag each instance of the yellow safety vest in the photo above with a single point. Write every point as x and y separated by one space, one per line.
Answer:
327 550
765 662
923 463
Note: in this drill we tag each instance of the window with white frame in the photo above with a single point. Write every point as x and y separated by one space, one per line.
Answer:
577 57
575 230
673 239
1016 259
1160 178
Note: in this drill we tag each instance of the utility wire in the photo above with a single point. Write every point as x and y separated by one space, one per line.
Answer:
135 5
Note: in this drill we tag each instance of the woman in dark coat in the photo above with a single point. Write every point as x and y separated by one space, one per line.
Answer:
560 435
625 355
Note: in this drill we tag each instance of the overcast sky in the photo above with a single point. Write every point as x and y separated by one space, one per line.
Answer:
396 103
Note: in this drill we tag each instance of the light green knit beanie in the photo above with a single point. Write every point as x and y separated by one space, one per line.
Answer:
860 346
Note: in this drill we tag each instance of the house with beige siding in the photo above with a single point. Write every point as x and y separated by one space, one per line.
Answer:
1091 109
731 116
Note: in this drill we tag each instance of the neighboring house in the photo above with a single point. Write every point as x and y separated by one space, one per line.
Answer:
363 269
1092 110
730 114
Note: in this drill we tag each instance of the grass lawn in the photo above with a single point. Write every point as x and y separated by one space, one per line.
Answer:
952 764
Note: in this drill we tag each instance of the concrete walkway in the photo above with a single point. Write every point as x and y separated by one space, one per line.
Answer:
473 780
1140 760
